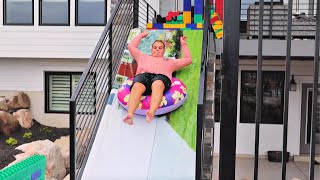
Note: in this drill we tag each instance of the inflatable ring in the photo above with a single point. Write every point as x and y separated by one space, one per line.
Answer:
171 100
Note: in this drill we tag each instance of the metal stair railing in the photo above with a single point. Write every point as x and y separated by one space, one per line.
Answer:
88 101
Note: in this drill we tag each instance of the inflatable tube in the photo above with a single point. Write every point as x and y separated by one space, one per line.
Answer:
171 100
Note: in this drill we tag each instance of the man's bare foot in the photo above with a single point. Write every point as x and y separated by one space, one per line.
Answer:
149 116
128 119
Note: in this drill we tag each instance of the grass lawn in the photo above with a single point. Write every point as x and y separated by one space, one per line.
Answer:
184 119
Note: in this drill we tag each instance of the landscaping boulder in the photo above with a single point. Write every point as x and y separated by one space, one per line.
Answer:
20 101
82 136
3 104
63 144
67 177
55 167
8 124
24 117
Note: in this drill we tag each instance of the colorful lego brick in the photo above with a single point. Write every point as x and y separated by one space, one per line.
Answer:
173 13
197 18
199 25
180 18
219 34
219 8
187 16
174 26
217 25
198 6
187 5
25 169
157 26
168 18
214 19
192 26
149 26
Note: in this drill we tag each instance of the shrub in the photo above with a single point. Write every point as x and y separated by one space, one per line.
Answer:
45 129
11 141
27 135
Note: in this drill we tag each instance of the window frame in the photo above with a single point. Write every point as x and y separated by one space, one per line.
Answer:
241 97
16 24
47 74
52 24
86 24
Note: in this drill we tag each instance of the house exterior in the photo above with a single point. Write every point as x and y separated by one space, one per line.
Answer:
45 48
274 55
43 42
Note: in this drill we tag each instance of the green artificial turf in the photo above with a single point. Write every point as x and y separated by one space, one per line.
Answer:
184 119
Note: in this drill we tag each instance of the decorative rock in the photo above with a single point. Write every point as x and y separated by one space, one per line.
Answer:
50 178
3 104
82 136
21 101
67 177
24 117
54 167
8 124
63 144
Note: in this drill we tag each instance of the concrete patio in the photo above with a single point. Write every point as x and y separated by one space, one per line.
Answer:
268 170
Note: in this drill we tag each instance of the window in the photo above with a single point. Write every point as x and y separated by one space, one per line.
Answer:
91 12
217 94
18 12
272 105
59 87
54 12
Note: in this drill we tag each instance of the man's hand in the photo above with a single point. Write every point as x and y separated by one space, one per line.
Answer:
145 34
183 39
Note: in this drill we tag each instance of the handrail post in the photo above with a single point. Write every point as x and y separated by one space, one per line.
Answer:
135 13
72 115
229 90
110 57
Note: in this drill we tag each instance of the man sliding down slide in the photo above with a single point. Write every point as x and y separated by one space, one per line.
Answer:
153 76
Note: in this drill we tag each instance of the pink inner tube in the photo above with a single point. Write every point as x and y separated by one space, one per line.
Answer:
171 100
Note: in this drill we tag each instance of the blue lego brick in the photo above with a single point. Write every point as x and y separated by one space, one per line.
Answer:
158 26
187 5
198 6
192 26
36 175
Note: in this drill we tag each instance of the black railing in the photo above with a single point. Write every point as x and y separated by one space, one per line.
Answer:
201 112
88 102
229 92
275 17
275 14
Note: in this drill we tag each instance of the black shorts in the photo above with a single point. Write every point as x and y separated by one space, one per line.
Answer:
148 78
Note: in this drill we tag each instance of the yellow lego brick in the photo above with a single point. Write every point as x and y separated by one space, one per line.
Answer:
149 25
217 25
199 25
187 17
169 26
219 35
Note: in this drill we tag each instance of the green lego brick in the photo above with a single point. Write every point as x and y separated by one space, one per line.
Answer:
24 169
197 18
180 18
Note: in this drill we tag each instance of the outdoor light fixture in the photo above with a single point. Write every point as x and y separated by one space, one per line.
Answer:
293 84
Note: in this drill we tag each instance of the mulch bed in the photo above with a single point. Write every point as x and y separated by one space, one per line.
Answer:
39 132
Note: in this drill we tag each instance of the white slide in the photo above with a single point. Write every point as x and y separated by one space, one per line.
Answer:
144 151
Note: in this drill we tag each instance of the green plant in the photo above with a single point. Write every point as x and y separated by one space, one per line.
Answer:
27 135
11 141
45 129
